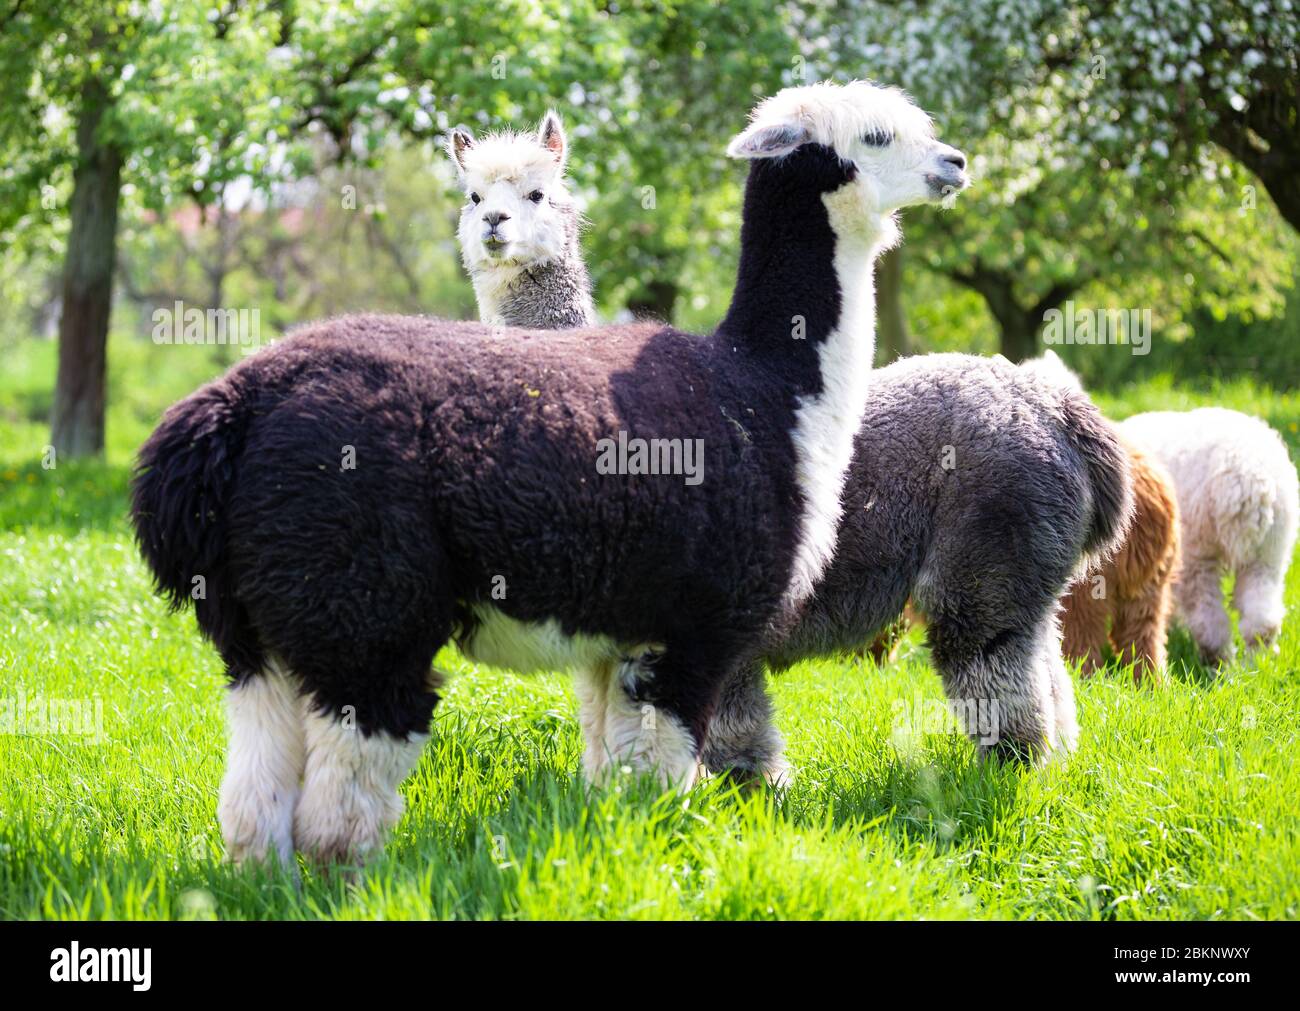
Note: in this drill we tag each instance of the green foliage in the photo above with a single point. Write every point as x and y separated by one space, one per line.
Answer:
264 93
1088 185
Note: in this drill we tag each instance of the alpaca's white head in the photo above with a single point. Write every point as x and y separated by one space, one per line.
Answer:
1050 367
889 140
517 211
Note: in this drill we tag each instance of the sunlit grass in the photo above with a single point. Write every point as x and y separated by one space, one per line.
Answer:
1179 803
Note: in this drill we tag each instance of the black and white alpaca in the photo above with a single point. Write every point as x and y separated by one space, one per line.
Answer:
519 228
362 491
981 489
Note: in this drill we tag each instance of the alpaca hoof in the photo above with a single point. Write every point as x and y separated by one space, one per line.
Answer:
775 775
1217 657
254 834
338 837
680 777
1035 754
779 775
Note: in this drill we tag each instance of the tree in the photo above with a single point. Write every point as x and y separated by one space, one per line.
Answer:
892 337
93 94
1090 176
665 194
1033 237
1145 85
179 100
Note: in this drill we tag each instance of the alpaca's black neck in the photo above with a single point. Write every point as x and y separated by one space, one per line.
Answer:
788 298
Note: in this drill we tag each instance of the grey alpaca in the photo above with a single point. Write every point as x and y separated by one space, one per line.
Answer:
519 229
980 490
977 488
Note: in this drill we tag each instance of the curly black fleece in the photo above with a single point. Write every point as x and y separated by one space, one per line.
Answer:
475 457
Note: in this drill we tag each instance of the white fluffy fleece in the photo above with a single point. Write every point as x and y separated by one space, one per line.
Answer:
1239 499
620 731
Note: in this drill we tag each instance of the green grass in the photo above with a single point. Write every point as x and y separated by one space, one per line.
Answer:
1180 803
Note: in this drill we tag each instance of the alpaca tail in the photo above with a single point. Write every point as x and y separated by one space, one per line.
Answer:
179 496
1110 477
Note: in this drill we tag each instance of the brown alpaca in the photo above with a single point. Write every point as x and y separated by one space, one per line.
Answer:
1131 592
1134 587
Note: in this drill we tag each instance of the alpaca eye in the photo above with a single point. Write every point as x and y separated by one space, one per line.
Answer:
535 196
475 197
877 138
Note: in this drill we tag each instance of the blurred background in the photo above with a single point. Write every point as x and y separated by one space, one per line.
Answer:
283 158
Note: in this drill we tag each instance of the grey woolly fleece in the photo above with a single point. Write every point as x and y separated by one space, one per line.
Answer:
979 489
551 296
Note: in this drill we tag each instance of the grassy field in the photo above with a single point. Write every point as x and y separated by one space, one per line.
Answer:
1180 803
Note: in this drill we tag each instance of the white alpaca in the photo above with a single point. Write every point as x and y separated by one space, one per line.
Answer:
1239 499
519 228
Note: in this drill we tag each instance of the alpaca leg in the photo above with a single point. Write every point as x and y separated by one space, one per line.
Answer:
350 793
1086 612
1140 630
1258 597
360 751
741 739
1200 604
883 646
592 688
1065 717
264 764
1011 680
648 714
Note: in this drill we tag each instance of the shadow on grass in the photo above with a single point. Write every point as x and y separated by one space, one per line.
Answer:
68 498
1185 663
942 795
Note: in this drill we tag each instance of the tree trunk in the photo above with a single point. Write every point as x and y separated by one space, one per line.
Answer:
1018 337
1018 325
1265 138
892 337
77 426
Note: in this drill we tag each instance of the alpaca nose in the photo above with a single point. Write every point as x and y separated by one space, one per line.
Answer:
956 158
494 218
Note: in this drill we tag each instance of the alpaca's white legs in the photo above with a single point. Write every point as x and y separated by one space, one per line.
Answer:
1257 595
619 731
350 793
592 689
1200 603
1065 718
264 764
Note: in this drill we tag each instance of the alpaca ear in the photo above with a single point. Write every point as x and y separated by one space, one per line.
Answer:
1055 365
459 141
550 132
768 140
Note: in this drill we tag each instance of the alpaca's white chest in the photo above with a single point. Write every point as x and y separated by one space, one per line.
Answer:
826 424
